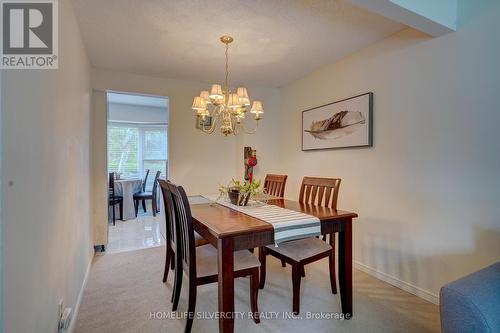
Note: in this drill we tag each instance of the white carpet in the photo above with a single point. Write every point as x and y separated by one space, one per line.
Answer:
125 293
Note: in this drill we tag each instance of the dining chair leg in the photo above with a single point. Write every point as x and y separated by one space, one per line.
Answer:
144 205
296 288
191 305
254 291
114 217
121 210
176 293
283 263
331 260
168 262
262 259
172 263
153 207
136 207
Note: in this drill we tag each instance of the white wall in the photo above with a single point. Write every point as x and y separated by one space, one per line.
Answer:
1 201
427 193
46 189
99 121
136 113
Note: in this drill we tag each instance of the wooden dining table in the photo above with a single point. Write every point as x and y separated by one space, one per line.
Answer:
229 231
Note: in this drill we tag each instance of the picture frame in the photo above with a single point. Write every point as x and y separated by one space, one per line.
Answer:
203 124
347 123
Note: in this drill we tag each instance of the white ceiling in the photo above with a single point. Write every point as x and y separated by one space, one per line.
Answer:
276 41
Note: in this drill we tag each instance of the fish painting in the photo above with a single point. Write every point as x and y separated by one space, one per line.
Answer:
340 124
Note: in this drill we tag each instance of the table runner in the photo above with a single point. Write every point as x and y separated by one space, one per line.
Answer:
288 224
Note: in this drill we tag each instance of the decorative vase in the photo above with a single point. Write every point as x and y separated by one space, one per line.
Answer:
234 195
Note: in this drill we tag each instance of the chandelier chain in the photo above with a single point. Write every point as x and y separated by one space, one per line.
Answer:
227 72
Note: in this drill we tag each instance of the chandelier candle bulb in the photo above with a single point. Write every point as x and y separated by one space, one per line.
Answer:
257 107
234 101
243 95
206 96
199 103
225 107
216 92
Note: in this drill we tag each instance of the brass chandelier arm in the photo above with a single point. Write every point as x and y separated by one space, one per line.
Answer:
215 116
238 128
254 130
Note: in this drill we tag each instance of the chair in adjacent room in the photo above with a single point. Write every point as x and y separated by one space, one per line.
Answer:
298 253
200 263
143 189
275 185
113 199
143 196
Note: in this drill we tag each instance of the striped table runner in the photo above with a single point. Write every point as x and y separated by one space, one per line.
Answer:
288 224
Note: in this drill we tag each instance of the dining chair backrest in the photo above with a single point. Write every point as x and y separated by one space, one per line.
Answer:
169 212
145 181
275 185
184 232
111 185
320 191
155 184
111 180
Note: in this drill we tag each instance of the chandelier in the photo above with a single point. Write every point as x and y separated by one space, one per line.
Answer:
224 106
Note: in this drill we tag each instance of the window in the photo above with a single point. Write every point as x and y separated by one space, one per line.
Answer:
154 152
123 150
134 148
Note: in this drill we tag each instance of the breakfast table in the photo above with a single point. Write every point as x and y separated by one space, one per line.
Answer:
126 189
230 230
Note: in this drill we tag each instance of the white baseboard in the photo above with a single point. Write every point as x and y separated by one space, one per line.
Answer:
417 291
74 317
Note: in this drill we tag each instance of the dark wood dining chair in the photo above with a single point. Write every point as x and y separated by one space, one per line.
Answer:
113 199
169 227
275 185
200 263
298 253
144 182
143 196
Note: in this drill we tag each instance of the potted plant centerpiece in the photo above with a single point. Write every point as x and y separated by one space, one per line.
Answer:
239 193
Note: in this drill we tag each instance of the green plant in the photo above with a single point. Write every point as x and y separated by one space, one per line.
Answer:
245 190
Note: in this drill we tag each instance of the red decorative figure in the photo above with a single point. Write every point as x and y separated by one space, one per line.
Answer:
250 161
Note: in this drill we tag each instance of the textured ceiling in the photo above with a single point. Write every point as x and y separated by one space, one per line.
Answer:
276 41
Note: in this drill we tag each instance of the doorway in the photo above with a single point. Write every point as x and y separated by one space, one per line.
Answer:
137 151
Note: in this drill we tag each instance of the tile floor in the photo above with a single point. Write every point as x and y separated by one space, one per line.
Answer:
140 233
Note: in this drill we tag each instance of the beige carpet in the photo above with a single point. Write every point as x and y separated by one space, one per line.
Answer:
125 288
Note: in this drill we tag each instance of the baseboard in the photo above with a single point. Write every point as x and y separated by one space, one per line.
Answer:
74 317
417 291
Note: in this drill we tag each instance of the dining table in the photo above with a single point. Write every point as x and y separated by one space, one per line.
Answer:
126 189
229 230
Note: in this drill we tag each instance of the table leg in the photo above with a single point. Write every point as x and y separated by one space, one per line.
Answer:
225 261
345 269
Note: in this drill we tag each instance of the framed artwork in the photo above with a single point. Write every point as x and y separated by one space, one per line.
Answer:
347 123
200 123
